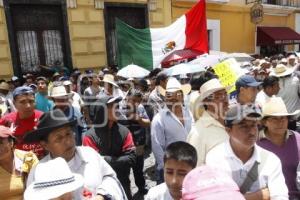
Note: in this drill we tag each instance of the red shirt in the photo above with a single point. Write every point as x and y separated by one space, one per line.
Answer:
23 126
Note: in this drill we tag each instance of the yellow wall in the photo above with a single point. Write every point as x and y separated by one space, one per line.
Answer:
237 33
6 69
87 32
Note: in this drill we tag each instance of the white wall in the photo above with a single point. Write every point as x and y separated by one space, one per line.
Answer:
213 25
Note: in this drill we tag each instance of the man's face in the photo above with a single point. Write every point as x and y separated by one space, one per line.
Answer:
277 125
174 173
243 134
42 86
163 83
113 111
173 98
25 104
292 61
218 102
249 94
61 102
275 88
61 143
6 147
109 88
95 80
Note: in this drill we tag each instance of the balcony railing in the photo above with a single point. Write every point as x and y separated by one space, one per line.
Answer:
288 3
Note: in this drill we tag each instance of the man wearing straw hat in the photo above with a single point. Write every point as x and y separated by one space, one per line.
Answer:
289 89
62 101
277 138
6 104
209 130
172 123
55 134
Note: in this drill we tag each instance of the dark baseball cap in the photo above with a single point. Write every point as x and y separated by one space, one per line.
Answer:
247 81
22 90
238 113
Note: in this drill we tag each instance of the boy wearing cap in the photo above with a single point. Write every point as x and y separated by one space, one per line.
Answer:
180 158
256 171
247 89
43 103
24 119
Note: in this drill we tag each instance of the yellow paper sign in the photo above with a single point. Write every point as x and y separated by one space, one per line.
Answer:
226 74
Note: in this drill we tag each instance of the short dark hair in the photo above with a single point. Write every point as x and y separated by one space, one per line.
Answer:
135 93
270 81
181 151
160 77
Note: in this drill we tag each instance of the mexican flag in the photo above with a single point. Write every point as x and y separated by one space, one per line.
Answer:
148 47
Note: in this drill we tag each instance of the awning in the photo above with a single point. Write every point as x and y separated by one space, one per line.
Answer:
267 36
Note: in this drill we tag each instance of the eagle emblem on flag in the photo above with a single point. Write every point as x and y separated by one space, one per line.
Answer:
169 47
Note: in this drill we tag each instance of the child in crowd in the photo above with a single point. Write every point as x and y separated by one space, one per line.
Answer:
179 159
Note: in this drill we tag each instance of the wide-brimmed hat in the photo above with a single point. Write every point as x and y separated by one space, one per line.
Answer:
174 85
275 106
59 91
209 88
108 78
4 86
48 122
206 183
52 185
281 70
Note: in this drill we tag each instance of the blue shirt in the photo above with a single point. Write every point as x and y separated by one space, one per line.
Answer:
42 103
166 128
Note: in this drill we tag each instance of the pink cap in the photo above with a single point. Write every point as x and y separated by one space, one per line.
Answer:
206 183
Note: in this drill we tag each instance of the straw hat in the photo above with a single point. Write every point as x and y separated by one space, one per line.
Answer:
173 85
4 86
281 70
108 78
52 185
209 88
275 106
59 91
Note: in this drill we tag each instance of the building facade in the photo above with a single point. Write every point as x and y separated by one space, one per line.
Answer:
81 33
230 27
77 33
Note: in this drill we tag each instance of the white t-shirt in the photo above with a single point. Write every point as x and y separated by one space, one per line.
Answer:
159 192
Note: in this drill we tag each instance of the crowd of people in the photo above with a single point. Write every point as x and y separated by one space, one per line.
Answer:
77 135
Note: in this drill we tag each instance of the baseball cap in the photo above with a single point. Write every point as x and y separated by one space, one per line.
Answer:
22 90
238 113
207 183
14 78
41 78
247 81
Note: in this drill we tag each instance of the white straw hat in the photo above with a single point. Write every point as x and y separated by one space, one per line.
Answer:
108 78
173 85
209 88
275 106
52 179
281 70
59 91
